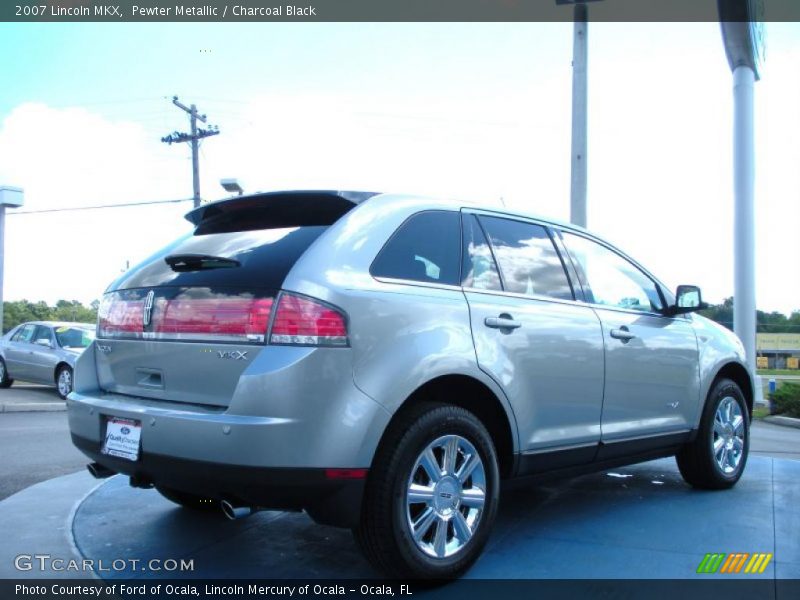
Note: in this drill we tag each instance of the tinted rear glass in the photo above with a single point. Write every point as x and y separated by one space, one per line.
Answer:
265 257
427 247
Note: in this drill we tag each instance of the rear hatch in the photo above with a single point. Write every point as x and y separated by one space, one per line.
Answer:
185 324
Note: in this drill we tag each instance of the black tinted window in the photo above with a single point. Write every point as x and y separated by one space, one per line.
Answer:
527 258
264 258
480 270
425 248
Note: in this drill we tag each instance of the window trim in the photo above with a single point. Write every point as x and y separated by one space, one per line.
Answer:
466 216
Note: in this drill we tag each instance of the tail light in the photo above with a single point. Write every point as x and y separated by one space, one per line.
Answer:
194 314
307 322
213 319
203 315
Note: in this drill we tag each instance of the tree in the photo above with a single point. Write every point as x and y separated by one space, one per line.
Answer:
21 311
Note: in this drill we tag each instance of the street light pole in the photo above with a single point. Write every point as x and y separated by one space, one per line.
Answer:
743 36
12 197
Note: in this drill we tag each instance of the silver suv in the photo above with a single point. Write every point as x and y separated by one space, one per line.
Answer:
383 362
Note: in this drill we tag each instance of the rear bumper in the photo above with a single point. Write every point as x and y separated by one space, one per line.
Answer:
330 501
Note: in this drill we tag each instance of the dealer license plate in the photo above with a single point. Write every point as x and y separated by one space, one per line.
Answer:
122 438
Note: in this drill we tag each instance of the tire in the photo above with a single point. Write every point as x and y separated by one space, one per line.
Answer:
64 381
190 501
459 510
725 425
5 380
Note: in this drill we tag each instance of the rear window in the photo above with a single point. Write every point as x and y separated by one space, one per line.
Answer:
427 247
257 259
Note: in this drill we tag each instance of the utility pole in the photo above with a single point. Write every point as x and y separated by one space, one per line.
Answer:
580 47
194 138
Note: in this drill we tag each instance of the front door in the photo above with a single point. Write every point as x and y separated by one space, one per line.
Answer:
651 368
43 360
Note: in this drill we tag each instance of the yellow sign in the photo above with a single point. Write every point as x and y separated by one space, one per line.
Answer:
778 341
793 362
762 362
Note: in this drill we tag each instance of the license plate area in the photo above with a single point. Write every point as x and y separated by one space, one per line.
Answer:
122 438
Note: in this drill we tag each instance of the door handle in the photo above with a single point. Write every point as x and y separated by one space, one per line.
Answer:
622 334
502 322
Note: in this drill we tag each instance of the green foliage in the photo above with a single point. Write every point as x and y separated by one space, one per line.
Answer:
773 322
21 311
787 399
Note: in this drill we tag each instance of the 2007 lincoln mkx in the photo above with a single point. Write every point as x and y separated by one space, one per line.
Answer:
384 361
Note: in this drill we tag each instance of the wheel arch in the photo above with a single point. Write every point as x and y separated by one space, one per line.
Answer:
60 364
739 374
475 396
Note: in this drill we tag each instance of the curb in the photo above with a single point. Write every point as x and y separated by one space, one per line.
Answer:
32 407
785 421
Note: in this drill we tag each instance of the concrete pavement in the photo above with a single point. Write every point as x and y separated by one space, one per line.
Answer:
30 397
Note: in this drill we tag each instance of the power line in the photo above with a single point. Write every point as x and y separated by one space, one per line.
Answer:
71 208
193 138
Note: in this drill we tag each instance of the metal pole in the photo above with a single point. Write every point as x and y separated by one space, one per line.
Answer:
579 117
195 158
744 305
2 260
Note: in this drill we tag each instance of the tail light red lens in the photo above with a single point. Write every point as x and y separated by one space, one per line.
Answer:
120 317
214 319
307 322
198 314
192 314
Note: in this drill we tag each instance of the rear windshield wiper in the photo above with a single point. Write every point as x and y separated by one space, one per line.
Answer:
199 262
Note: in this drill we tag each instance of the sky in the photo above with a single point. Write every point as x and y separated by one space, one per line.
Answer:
474 111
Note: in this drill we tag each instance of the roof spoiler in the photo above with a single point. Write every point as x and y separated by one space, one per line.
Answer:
327 198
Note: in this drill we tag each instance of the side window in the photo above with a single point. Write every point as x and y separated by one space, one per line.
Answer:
424 248
610 279
25 334
479 269
43 335
527 258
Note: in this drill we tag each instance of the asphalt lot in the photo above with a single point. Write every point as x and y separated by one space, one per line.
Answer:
36 446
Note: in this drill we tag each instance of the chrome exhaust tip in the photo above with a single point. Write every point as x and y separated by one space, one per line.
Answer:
236 512
98 471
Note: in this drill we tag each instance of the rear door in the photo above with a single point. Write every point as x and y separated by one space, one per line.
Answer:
544 348
652 379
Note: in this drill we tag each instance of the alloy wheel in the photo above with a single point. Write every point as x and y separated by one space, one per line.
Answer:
728 437
64 382
446 496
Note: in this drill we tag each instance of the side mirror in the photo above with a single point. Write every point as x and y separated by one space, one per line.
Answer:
687 299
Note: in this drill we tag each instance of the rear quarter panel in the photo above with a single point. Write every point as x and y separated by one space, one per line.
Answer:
402 334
